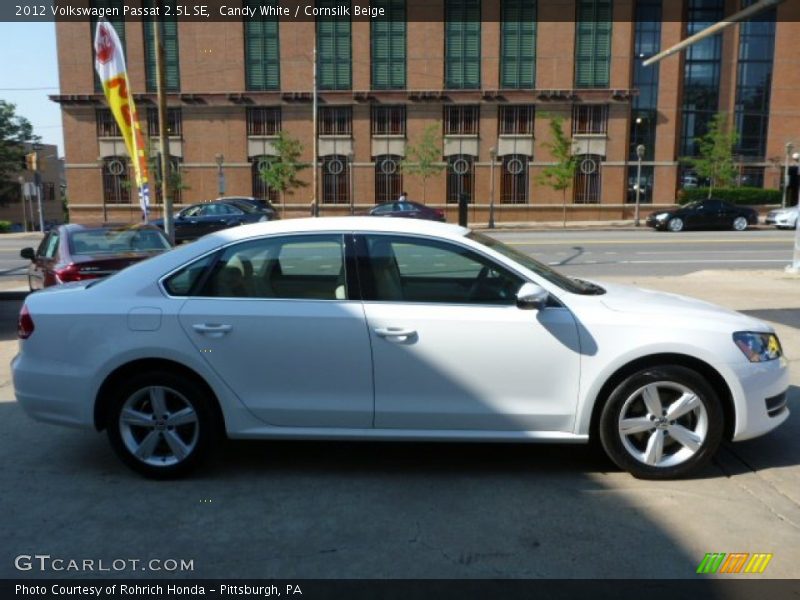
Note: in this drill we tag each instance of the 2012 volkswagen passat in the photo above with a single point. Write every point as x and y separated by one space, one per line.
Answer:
390 329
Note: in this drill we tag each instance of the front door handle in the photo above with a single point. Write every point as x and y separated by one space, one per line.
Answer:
395 334
212 330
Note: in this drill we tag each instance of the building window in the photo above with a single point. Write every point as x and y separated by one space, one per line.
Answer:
461 119
750 177
335 120
644 108
169 37
261 49
645 183
388 178
460 177
106 124
586 189
335 184
756 55
514 183
593 43
388 120
462 31
334 51
516 120
589 119
174 122
701 74
261 188
518 44
116 183
117 22
388 45
264 120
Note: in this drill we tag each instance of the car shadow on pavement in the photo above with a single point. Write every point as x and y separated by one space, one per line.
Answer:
784 316
10 305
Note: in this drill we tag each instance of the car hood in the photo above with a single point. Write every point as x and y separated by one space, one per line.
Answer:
630 299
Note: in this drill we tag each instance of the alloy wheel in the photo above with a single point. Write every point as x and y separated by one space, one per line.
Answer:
675 224
740 223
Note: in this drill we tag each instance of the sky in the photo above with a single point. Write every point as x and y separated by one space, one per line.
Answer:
30 64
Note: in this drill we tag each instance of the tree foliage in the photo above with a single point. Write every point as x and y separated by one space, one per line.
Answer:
280 173
15 130
715 160
559 175
424 159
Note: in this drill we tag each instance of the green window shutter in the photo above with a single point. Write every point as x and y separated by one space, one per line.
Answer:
169 37
463 44
119 25
262 53
593 44
518 44
388 41
334 51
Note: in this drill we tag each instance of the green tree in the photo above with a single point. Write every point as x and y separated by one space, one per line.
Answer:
715 160
424 159
175 181
280 173
559 175
15 130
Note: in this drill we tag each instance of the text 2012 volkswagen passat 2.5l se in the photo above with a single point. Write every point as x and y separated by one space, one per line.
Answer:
390 329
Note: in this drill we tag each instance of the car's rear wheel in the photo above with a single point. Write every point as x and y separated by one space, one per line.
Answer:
740 223
675 224
161 424
662 423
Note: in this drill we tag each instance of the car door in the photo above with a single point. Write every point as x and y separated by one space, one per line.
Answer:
703 216
41 273
274 320
451 350
187 224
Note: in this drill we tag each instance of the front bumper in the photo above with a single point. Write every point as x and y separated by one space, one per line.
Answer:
759 384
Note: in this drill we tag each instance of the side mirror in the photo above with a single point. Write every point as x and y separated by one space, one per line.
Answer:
28 253
531 297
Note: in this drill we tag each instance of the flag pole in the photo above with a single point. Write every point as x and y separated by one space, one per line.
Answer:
163 141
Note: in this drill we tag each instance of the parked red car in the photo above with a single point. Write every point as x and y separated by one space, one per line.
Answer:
76 252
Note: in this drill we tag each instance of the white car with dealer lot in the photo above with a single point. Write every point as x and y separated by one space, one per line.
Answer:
390 329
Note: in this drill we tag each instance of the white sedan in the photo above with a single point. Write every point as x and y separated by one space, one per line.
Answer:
783 218
390 329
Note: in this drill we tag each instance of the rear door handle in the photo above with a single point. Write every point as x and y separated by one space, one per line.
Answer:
212 330
399 334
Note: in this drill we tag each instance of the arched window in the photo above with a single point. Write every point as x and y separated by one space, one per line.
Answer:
460 177
587 179
388 179
116 182
335 184
514 182
261 189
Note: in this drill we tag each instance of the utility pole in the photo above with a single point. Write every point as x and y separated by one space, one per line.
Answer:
314 199
163 140
21 181
640 150
492 158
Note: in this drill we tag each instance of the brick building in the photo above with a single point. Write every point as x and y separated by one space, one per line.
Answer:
485 74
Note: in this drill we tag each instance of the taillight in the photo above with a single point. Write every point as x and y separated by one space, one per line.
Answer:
72 272
24 323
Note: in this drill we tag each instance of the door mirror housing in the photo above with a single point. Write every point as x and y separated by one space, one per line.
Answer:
28 253
532 297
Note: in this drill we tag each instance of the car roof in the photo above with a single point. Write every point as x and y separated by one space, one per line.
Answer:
361 224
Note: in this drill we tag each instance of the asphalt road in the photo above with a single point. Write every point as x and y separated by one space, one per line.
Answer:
647 252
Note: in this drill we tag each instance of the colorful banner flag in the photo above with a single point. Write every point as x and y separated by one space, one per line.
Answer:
110 66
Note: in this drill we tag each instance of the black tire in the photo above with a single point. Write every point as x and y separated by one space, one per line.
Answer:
180 392
611 436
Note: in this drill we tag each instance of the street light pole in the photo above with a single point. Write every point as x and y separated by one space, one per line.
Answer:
220 159
163 139
350 159
640 149
21 181
789 148
492 157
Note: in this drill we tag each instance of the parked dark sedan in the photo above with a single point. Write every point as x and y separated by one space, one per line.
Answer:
199 219
76 252
704 214
407 210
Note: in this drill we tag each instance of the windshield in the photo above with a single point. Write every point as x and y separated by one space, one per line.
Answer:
575 286
117 241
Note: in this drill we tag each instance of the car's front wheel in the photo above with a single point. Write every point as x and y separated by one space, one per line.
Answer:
662 423
740 224
161 424
675 224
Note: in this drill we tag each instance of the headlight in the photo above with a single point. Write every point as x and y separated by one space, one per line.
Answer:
662 216
758 347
